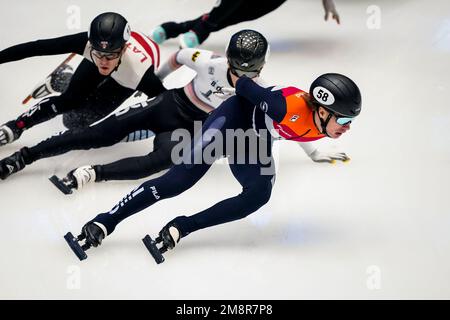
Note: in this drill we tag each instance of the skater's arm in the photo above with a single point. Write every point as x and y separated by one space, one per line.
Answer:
169 66
268 100
73 43
192 58
319 156
308 147
150 84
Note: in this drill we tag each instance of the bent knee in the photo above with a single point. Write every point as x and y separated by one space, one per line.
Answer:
256 196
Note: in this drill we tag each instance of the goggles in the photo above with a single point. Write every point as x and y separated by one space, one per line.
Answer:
107 55
240 73
340 120
343 120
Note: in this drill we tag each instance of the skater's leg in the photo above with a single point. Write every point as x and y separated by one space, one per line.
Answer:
256 181
140 167
201 26
181 176
213 21
163 115
173 29
230 12
177 180
105 134
113 129
246 11
107 98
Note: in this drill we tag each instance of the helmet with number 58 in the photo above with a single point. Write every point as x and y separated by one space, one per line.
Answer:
336 93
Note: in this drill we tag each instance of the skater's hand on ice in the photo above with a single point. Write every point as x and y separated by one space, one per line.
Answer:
329 157
225 92
330 9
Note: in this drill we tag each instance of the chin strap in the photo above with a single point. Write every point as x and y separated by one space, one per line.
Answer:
92 58
118 64
324 123
229 72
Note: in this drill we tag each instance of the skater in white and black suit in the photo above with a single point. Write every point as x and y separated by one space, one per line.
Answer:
117 62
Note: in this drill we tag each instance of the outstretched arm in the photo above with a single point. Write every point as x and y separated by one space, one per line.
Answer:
67 44
192 58
319 156
168 66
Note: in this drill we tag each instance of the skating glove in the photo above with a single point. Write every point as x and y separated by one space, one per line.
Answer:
225 92
330 157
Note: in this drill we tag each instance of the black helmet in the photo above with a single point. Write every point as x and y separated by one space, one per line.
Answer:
247 52
109 31
337 93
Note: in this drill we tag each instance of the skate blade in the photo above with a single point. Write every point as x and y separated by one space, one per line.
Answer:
60 185
76 248
153 249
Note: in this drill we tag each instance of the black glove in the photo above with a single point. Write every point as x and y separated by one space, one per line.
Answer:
12 164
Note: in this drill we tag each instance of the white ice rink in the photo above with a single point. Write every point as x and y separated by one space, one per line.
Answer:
377 227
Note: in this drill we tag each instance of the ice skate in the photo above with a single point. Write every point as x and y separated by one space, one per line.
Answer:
168 237
92 233
12 164
75 179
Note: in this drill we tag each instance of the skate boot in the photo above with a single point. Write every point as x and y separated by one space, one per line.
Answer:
75 179
12 164
189 40
92 232
158 35
169 236
10 132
